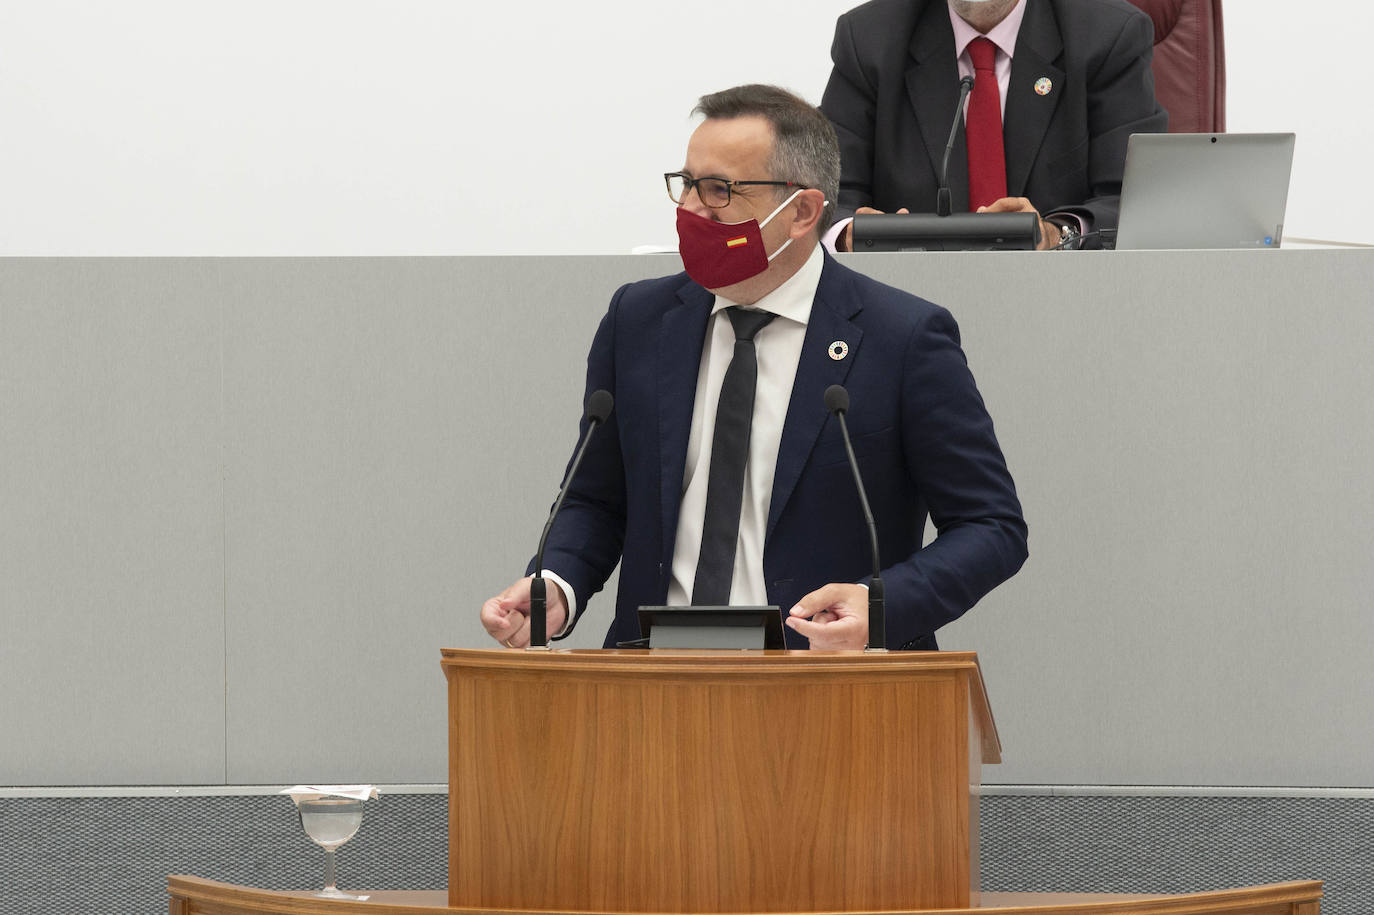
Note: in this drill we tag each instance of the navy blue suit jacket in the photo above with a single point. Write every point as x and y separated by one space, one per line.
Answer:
923 439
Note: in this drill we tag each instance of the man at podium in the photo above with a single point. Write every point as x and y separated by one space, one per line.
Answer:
721 477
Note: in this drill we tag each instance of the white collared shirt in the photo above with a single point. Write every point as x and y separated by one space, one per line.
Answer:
778 346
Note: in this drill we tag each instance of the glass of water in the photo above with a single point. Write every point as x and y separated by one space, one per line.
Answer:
330 822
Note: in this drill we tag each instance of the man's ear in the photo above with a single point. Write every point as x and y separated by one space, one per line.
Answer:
810 208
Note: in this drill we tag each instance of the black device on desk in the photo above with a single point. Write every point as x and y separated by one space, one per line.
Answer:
708 627
957 232
942 230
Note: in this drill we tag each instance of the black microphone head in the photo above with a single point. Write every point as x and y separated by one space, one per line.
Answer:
599 405
836 399
966 82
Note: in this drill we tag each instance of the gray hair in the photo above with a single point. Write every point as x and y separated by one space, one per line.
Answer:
805 149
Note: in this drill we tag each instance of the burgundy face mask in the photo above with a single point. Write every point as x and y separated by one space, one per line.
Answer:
720 254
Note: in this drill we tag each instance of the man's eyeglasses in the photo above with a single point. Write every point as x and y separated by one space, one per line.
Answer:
714 192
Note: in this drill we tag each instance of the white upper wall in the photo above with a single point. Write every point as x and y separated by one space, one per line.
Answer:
299 127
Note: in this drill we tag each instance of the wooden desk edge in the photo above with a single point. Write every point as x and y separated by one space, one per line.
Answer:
710 662
192 895
751 664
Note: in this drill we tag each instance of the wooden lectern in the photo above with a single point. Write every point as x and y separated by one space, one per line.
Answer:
727 781
654 781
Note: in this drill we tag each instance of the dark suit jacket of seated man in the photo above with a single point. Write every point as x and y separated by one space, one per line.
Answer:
920 430
895 84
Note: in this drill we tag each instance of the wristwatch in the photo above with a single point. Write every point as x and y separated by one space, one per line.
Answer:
1068 232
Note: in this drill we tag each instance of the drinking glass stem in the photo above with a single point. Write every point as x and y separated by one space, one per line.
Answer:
329 870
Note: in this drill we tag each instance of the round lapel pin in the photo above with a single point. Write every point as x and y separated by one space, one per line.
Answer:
838 350
1043 86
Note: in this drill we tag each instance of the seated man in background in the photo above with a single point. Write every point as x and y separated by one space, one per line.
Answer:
1072 82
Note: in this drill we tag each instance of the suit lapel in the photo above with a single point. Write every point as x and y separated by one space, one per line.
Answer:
932 85
681 335
829 323
1028 113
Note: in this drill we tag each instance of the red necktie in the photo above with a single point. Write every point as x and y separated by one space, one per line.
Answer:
987 160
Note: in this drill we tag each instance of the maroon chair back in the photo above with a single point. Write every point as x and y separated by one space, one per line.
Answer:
1189 63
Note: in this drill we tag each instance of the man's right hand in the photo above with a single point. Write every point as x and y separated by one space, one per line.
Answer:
1049 232
846 242
506 617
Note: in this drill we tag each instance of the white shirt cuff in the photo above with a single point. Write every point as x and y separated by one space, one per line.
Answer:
569 597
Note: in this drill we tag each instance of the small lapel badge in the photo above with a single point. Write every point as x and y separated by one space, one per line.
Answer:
1043 85
838 350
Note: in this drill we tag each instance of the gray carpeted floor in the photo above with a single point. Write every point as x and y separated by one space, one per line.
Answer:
111 855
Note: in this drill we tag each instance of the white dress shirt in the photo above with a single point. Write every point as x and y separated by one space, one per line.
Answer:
778 346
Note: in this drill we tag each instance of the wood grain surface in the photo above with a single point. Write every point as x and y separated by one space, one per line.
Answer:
713 782
194 896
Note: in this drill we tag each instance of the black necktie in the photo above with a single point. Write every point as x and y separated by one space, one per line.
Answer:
729 452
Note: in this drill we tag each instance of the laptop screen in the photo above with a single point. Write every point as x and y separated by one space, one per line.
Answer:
1204 190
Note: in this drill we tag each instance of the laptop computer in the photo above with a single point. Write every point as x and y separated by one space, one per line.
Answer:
1204 190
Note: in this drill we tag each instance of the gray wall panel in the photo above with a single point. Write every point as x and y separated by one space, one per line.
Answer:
1190 434
1188 431
396 431
111 570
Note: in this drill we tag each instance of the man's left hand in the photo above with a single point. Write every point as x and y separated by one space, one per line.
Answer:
1049 232
833 616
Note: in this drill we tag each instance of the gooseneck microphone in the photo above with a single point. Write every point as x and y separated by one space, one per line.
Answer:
837 403
599 405
943 201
